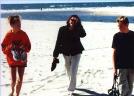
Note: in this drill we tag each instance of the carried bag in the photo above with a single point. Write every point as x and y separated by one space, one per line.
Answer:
114 91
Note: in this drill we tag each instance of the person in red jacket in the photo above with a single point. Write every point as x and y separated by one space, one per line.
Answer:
15 46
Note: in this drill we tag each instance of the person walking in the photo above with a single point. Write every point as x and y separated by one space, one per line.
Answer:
68 43
123 56
15 46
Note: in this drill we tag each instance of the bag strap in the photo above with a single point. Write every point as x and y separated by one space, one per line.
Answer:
115 82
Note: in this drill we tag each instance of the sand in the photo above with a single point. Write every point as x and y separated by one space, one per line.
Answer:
95 68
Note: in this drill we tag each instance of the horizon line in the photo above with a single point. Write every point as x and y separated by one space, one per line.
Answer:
26 2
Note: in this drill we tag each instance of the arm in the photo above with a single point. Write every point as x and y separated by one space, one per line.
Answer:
6 44
113 59
82 32
58 44
114 47
27 44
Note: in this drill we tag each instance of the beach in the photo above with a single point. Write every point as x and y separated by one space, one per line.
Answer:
95 75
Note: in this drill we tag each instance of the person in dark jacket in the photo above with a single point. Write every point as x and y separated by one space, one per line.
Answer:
68 43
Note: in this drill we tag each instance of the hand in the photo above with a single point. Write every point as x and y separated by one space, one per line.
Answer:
54 64
55 60
114 72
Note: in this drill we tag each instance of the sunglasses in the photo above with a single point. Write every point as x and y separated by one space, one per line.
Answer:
122 20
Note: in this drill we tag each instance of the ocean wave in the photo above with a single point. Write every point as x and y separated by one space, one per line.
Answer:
97 14
42 9
127 11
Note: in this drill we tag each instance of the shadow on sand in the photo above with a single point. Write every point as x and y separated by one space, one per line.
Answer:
91 93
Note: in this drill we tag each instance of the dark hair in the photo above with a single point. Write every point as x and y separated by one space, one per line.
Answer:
123 19
13 19
78 22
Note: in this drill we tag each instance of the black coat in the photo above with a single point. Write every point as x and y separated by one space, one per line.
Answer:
68 42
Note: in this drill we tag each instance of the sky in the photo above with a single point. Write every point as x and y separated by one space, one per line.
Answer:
55 1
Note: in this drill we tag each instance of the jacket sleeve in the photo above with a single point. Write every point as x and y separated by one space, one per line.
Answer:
58 45
82 32
6 44
27 43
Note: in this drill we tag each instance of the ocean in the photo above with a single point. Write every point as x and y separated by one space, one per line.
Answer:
61 11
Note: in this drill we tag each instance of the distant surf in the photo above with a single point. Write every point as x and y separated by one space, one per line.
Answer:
94 11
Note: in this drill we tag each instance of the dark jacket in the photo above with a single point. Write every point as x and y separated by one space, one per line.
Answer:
68 42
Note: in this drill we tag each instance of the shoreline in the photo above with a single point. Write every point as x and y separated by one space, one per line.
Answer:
108 14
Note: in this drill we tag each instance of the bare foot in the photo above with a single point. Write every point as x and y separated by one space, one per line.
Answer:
11 94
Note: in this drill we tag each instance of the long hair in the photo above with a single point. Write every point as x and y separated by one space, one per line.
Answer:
78 24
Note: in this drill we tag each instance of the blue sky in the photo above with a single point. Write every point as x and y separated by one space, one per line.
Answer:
56 1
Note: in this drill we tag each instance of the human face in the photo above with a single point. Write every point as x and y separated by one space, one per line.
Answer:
73 21
122 26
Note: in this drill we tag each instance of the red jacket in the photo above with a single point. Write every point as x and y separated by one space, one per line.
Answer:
7 44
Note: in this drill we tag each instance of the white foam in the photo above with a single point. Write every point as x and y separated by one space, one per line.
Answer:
127 11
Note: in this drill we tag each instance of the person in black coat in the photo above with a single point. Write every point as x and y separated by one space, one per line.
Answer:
68 43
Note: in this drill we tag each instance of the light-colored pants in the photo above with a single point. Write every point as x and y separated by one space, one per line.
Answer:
71 64
126 80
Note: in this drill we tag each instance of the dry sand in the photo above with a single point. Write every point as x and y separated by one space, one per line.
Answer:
95 68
